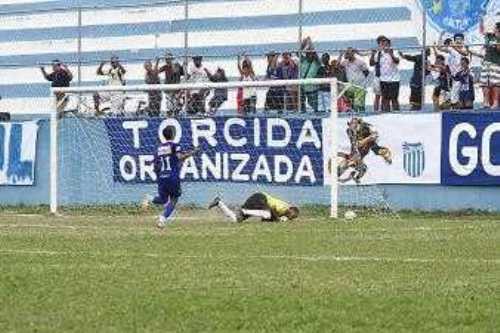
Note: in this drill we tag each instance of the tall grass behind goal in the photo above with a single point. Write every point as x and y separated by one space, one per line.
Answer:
252 136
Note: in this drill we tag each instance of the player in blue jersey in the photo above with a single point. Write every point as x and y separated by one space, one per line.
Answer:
167 166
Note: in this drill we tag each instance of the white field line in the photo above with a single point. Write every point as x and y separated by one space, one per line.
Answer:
220 229
308 258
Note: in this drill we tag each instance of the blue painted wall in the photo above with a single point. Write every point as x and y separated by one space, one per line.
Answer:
86 178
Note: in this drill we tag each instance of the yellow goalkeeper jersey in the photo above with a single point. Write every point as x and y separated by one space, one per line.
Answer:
278 206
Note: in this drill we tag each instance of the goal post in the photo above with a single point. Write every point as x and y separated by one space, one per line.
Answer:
57 165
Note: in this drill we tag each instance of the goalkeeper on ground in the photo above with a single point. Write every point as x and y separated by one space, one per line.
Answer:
261 204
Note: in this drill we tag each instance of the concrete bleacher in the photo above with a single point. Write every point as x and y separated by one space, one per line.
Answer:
36 32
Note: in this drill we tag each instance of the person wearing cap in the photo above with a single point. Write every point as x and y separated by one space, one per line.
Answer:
115 74
386 69
60 76
173 74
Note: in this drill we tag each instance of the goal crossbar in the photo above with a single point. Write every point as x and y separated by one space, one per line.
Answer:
332 82
193 86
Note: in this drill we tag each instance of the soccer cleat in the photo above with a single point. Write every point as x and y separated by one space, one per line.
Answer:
162 221
214 203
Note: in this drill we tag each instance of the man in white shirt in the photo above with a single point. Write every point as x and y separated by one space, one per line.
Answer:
456 51
356 73
196 98
115 77
386 68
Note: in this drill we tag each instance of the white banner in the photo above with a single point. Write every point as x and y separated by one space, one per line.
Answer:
18 152
399 149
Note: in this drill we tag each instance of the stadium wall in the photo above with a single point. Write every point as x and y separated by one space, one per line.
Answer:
85 156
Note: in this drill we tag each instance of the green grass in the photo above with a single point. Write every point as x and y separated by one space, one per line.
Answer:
113 272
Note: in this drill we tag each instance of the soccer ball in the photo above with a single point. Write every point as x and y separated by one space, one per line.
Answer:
350 215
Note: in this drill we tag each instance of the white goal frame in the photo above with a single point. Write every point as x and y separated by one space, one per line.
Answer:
192 86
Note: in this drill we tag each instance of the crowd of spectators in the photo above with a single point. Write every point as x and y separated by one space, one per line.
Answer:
446 65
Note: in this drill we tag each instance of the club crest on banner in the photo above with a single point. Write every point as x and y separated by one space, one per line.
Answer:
413 159
455 15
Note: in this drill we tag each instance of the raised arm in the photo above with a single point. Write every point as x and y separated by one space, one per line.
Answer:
99 69
44 73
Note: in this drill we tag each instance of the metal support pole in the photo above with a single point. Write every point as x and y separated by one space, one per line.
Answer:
424 59
79 56
299 73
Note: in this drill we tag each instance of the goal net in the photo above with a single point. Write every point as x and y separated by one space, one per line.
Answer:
285 138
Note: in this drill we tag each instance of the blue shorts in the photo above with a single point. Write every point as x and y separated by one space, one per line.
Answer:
169 188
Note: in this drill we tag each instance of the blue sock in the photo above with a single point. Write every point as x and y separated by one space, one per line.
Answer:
169 209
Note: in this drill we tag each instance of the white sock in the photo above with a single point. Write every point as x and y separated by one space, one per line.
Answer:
265 214
227 211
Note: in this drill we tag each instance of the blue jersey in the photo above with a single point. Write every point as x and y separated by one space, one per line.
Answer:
166 163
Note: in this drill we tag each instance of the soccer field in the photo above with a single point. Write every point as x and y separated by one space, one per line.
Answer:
112 273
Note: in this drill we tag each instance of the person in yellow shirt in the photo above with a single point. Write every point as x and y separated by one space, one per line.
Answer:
260 204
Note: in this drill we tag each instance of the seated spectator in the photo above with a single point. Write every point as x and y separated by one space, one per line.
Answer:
416 79
154 96
274 96
441 94
115 77
357 73
196 98
386 69
289 71
220 94
309 66
61 76
249 95
466 81
325 71
173 74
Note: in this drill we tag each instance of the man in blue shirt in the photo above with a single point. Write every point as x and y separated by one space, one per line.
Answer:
167 166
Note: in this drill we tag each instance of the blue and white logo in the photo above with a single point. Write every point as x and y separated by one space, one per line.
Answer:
17 153
413 159
455 15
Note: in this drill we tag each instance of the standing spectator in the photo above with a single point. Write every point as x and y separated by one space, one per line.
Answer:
456 50
173 74
274 96
466 81
115 77
249 95
416 85
490 72
324 71
441 94
309 66
220 94
152 76
289 71
356 73
376 78
61 76
196 98
386 68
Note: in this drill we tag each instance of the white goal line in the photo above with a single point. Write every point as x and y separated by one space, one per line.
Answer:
309 258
